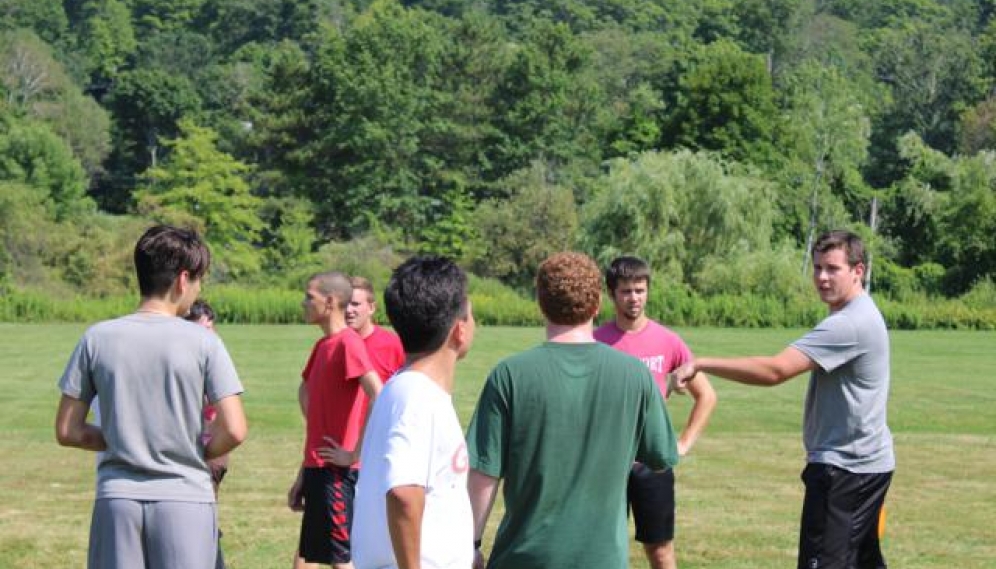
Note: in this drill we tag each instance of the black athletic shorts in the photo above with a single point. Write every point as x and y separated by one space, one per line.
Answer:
840 517
651 499
328 514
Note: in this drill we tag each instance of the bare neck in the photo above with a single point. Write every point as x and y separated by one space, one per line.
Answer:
570 334
438 366
335 323
631 325
156 305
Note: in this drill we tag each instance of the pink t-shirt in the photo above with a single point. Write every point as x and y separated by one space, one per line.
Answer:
657 346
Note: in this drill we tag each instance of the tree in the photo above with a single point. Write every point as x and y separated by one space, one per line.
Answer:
825 138
32 155
47 18
147 105
934 74
197 183
107 39
546 103
724 101
680 211
30 71
516 234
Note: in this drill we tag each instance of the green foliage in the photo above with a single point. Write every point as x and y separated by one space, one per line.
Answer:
199 183
679 211
32 155
147 105
106 38
824 137
725 102
47 18
516 234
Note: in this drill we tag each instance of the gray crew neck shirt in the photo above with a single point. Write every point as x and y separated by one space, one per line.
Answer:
152 373
844 422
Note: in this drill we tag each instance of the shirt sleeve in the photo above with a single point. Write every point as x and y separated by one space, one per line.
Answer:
487 436
220 378
831 344
77 380
357 362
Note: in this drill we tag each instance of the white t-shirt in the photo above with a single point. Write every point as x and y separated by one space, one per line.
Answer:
413 437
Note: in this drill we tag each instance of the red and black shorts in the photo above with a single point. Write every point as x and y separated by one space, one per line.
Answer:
328 514
840 517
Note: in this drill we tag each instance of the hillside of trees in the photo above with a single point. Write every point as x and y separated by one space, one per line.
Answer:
714 138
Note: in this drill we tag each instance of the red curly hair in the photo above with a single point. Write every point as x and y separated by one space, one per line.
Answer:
569 288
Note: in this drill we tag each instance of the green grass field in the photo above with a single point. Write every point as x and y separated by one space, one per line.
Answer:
739 492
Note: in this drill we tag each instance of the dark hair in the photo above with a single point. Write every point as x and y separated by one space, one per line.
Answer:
569 288
334 284
163 252
200 309
425 296
626 269
850 243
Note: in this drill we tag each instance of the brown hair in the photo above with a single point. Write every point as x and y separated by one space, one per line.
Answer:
849 243
363 283
569 288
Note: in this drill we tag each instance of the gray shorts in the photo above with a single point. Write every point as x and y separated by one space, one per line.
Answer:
133 534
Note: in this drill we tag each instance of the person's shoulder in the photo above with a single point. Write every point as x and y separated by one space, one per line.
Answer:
382 336
607 331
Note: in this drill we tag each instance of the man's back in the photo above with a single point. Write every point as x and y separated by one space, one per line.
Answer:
151 372
562 424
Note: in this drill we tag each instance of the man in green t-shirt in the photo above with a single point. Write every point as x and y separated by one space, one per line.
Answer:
562 424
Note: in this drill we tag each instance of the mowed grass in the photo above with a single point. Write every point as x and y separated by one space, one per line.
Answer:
739 492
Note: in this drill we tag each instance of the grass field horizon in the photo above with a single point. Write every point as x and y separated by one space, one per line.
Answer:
739 491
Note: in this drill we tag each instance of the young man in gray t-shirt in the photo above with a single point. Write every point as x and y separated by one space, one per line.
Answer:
849 451
154 504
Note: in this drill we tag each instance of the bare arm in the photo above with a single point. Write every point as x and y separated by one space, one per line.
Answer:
405 506
302 398
753 370
229 429
482 489
71 428
704 395
335 453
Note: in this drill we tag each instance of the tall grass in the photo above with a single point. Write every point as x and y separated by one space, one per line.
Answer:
498 305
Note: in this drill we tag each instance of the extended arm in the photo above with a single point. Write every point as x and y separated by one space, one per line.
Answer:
302 398
752 370
71 428
405 506
704 396
229 429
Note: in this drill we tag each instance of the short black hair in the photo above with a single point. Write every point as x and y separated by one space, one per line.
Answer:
163 252
626 269
200 309
425 296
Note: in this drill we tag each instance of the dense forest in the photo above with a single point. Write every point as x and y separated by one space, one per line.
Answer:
714 138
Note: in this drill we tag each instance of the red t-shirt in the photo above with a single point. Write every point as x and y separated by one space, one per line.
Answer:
385 352
658 347
337 403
